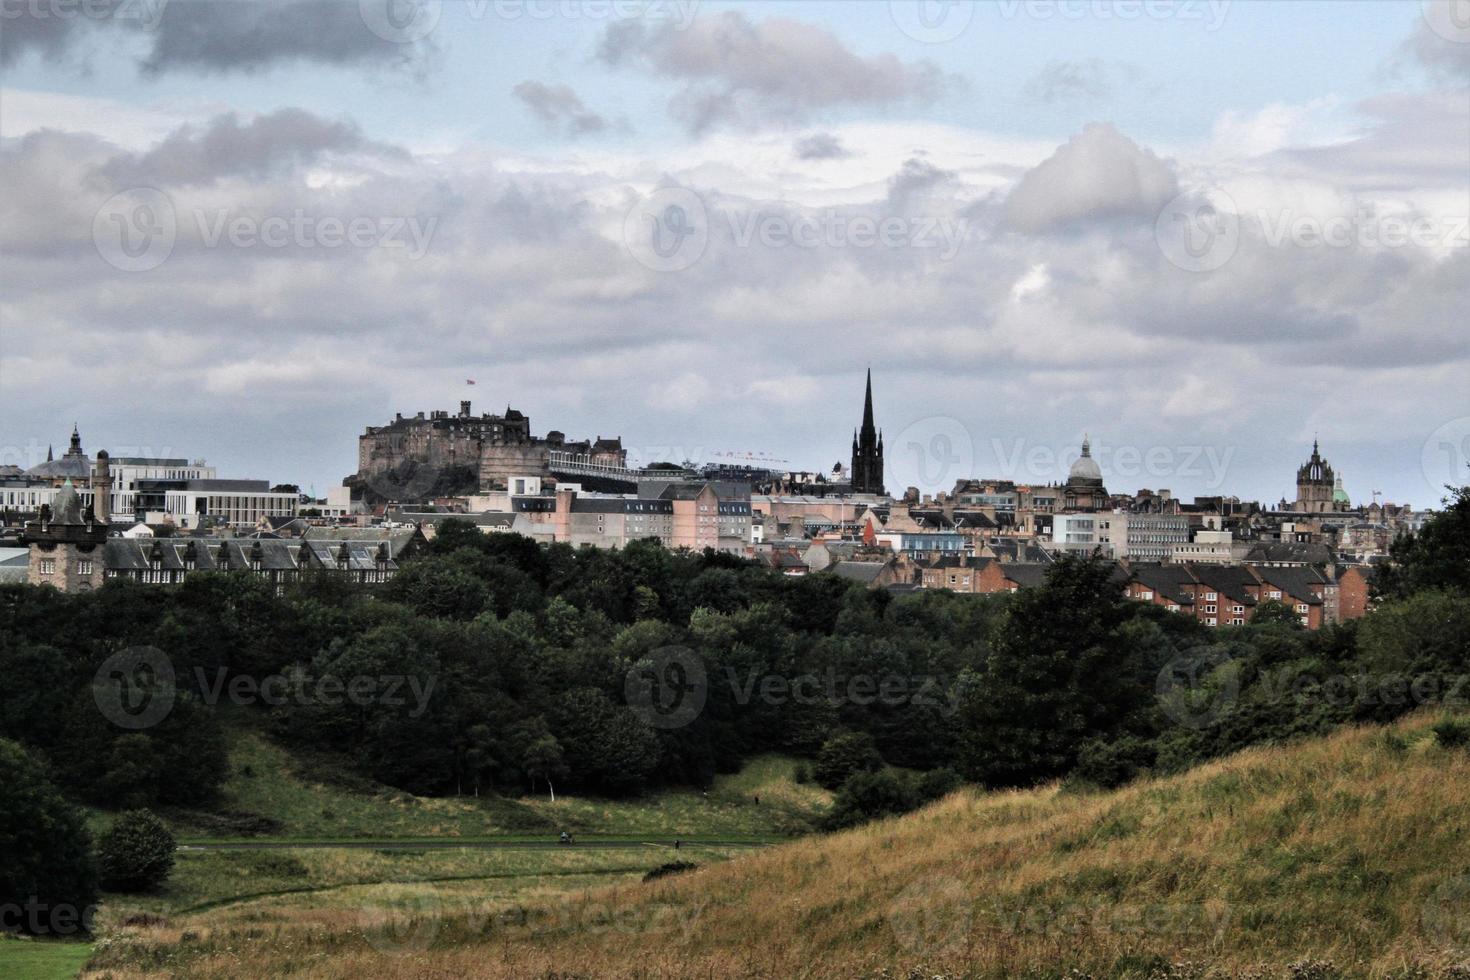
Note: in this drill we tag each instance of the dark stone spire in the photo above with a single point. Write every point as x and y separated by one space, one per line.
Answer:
867 449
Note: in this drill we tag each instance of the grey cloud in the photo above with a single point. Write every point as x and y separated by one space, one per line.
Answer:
1075 82
736 71
225 147
1098 174
820 146
559 108
1441 41
214 35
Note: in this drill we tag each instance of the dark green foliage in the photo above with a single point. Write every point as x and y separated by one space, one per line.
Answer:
671 868
1452 734
46 860
504 666
136 854
1274 611
1436 558
869 796
844 756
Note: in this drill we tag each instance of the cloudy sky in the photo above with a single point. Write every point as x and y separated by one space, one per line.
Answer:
1202 232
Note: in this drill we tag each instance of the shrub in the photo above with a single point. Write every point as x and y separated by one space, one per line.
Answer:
1109 763
844 756
871 795
803 774
45 850
137 853
672 868
1452 734
936 784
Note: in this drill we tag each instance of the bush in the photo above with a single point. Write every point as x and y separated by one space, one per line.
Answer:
871 795
936 784
1109 763
845 756
137 853
1452 734
672 868
45 850
803 774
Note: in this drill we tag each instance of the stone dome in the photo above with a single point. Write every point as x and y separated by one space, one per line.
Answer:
1085 472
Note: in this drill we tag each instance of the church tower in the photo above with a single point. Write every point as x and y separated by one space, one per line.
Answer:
867 449
1315 484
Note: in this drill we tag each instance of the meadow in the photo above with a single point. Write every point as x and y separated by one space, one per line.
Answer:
1343 856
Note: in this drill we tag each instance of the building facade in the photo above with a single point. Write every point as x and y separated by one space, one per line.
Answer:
867 449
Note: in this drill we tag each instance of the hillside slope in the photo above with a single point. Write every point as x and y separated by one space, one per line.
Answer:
1354 849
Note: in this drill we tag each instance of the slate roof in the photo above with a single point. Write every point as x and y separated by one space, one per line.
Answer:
866 572
173 554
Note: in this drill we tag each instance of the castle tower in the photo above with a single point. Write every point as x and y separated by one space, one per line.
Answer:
67 549
867 449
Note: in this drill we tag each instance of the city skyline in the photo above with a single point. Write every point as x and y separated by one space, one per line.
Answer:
983 210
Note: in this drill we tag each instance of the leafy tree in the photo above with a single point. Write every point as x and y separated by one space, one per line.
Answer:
845 756
45 850
136 853
1438 557
1273 611
869 796
1061 669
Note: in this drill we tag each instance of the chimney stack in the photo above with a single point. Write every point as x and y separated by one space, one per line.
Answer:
102 488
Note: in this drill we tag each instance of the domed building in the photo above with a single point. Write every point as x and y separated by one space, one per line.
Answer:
73 465
1084 489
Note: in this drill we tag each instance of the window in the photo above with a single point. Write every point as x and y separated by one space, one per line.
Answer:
1146 596
1210 596
1237 608
1301 607
1210 621
48 566
84 567
1209 609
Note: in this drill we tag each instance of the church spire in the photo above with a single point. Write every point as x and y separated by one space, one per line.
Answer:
868 405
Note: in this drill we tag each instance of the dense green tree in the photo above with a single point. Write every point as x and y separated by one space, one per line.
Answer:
136 853
1437 557
844 756
46 862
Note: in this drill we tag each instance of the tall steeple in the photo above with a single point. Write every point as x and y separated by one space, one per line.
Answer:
867 448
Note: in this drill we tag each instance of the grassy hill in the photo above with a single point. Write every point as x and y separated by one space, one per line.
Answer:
1348 856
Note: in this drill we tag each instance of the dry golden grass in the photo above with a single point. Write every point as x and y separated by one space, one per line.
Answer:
1353 849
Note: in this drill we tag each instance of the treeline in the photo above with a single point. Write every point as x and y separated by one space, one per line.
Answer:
493 664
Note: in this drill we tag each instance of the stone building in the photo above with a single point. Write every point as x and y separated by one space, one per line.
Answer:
493 448
67 544
1084 490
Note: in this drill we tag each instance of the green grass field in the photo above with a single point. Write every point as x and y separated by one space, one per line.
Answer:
38 959
316 802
